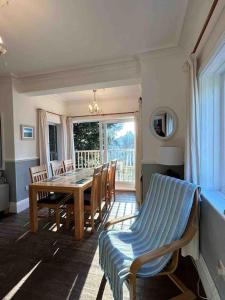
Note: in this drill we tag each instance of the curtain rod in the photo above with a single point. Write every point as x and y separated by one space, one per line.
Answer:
205 25
102 115
50 112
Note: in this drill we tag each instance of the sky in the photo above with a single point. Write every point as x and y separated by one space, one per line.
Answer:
127 126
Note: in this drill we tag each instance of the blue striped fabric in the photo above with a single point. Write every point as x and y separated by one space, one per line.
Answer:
162 219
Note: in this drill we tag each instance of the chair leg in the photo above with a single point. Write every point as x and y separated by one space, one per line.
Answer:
67 217
132 286
100 213
57 217
92 223
186 293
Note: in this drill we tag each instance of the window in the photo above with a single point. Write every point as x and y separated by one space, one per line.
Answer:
212 124
53 142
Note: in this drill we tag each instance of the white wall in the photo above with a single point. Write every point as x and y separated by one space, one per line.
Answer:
25 112
6 109
108 106
163 84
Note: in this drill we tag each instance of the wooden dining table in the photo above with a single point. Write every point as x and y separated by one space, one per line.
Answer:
75 183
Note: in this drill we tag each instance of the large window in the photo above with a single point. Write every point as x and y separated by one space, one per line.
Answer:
212 127
53 142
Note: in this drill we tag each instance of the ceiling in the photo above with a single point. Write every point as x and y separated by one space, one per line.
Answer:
107 94
49 35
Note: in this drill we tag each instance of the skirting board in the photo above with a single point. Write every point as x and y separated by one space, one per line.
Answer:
17 207
207 282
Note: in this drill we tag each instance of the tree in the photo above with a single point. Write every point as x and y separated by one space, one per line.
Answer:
86 136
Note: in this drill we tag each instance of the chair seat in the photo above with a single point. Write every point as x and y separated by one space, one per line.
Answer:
53 198
87 199
88 191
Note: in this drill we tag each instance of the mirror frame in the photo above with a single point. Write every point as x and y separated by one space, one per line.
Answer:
161 110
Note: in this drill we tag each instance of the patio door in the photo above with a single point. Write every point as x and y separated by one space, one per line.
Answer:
102 141
118 142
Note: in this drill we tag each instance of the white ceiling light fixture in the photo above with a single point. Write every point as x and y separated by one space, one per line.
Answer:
3 49
94 107
4 2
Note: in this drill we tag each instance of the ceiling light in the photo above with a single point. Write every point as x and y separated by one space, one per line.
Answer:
3 49
4 2
94 107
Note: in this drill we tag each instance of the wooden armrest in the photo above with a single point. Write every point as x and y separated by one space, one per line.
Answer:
175 245
118 220
151 255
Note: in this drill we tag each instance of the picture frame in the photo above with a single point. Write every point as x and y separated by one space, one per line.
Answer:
27 132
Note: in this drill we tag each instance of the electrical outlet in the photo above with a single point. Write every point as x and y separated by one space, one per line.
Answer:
221 268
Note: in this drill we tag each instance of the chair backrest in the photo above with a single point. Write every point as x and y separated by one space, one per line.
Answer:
37 174
68 165
96 191
112 175
98 169
164 215
105 168
57 168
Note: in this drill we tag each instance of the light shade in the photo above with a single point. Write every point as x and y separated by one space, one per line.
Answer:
171 156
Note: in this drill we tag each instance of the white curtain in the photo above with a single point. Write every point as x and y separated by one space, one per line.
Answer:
43 136
70 140
64 137
138 150
192 151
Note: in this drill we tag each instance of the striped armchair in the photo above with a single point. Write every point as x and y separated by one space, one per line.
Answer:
150 247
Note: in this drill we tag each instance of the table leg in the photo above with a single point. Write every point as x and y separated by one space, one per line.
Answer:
79 214
33 209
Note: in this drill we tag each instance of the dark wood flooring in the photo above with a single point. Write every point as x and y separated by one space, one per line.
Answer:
51 265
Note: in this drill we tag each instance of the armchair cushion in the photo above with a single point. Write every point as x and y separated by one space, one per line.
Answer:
161 220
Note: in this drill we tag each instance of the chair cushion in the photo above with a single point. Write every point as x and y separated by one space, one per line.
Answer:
53 198
88 191
87 198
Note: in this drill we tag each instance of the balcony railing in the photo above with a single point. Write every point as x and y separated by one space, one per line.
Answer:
125 161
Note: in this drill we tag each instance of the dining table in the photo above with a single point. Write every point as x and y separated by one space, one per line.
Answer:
74 183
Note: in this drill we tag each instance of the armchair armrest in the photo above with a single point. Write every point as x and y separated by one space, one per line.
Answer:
151 255
118 220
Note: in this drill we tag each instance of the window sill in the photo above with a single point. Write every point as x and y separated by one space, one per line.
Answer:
216 199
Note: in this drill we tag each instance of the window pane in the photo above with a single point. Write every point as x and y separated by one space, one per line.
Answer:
53 149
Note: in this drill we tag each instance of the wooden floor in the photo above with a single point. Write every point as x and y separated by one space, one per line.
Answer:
51 265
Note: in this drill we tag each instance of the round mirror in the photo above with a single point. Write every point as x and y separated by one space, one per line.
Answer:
163 123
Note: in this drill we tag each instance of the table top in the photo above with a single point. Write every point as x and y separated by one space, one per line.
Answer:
81 178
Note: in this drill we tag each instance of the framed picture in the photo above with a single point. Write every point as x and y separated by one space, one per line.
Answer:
27 132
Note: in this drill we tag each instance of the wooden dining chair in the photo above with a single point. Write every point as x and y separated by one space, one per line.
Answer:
52 201
104 182
92 202
111 181
57 168
68 165
92 199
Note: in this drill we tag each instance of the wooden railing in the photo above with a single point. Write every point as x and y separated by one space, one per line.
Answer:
125 157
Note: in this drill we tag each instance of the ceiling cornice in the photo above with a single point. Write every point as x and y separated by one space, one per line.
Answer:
116 70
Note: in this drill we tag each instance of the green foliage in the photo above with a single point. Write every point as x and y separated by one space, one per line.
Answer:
86 136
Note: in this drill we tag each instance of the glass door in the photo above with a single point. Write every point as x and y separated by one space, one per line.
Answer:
119 144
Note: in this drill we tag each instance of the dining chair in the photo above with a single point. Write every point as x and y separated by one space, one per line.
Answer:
111 181
52 201
104 182
92 199
165 223
68 165
57 167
